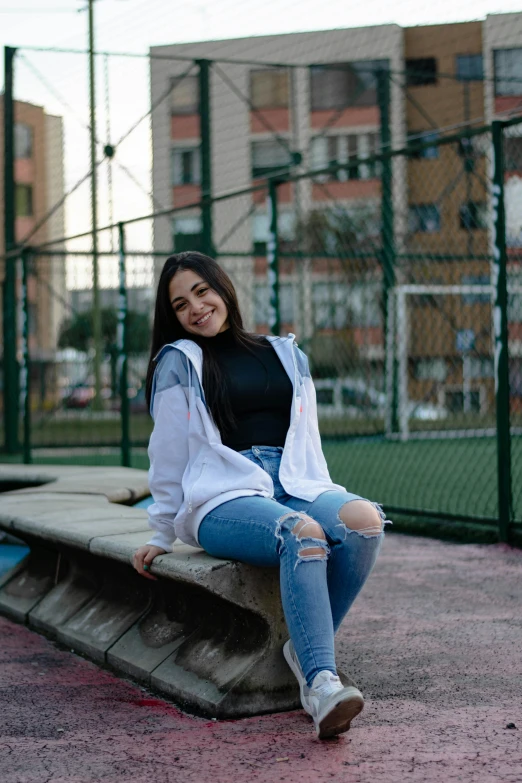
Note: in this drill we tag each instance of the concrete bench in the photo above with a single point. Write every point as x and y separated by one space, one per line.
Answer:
208 633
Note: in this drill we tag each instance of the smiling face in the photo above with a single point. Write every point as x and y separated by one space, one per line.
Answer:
198 308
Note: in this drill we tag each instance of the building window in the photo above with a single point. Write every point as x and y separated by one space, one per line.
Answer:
515 378
470 67
513 153
330 305
184 95
426 153
431 370
433 301
474 215
23 140
515 299
330 150
262 303
424 218
508 71
480 367
421 71
260 229
32 321
269 88
24 201
269 157
455 402
470 299
185 166
325 396
341 85
364 303
369 146
187 234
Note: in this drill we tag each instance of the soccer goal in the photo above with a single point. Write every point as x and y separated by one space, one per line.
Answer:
440 363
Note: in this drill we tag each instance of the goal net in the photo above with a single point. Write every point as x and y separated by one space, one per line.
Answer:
440 364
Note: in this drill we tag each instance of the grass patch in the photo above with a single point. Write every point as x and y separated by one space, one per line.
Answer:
448 476
456 477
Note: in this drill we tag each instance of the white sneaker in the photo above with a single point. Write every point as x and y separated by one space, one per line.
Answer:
331 705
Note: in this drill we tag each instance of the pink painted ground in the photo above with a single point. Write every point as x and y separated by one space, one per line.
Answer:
434 641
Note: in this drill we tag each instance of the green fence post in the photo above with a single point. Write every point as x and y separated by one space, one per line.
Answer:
25 374
122 344
387 240
10 364
272 259
206 157
96 313
500 325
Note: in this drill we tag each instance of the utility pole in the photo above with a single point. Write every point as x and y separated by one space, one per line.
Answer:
96 315
206 157
10 368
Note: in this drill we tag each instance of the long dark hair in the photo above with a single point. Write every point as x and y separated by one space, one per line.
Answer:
167 329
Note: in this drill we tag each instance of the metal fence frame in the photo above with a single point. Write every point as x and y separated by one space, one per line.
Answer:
17 379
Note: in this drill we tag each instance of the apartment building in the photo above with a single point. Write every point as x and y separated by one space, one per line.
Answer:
448 238
139 300
39 186
469 74
503 95
326 107
261 114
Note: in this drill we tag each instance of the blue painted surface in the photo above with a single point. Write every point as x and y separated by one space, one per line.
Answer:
10 555
145 503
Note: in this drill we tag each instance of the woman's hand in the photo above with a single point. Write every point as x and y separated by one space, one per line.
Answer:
143 558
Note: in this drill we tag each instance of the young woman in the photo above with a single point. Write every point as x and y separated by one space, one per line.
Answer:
236 468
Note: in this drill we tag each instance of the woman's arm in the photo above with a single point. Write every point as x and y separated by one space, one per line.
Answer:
168 449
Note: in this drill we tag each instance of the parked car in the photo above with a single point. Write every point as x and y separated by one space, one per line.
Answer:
426 411
79 397
348 397
353 397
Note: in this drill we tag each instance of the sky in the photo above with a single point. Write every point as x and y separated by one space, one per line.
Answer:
59 81
136 24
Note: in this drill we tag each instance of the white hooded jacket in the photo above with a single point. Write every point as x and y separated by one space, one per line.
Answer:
192 471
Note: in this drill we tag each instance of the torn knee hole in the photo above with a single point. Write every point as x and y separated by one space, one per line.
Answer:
308 528
312 552
310 536
362 517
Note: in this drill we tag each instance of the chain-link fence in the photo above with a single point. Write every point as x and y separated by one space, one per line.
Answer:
382 253
67 411
399 315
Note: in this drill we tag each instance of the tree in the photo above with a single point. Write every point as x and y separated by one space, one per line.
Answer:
333 355
76 332
336 231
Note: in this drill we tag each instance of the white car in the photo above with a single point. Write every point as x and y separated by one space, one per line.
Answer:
353 397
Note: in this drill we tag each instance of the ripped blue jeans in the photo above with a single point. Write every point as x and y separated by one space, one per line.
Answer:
318 589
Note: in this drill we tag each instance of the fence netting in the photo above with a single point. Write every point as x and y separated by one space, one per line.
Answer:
381 264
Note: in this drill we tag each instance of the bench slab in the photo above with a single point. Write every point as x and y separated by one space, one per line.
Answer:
208 633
